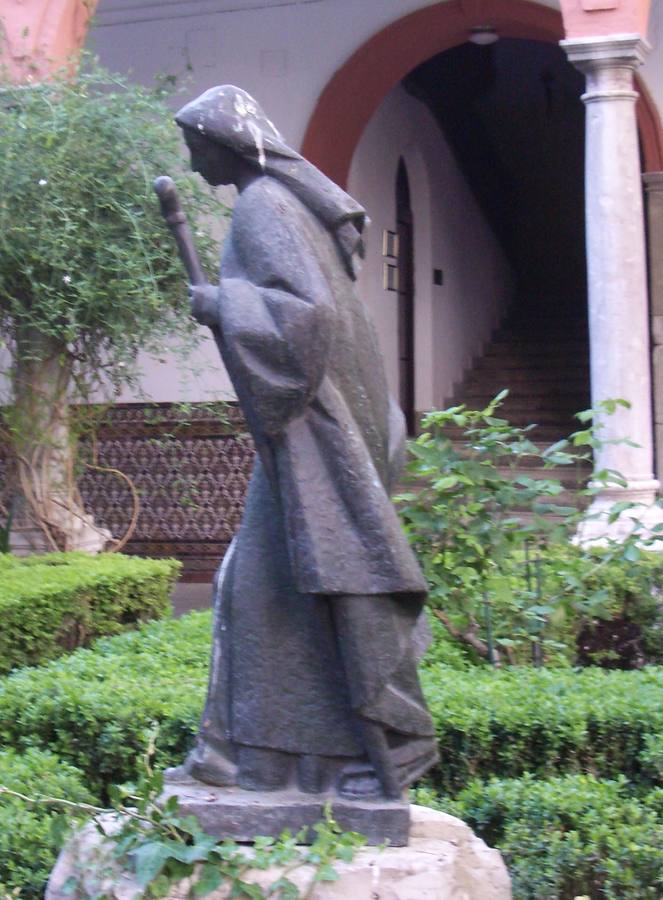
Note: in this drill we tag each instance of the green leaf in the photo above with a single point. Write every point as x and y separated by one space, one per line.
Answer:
209 879
443 484
70 885
148 860
284 889
632 553
326 872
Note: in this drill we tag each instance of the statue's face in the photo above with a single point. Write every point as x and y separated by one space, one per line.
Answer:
216 163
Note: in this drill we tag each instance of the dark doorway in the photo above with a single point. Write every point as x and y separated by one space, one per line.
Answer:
405 296
512 115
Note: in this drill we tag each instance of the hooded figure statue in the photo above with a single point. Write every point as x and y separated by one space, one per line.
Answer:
313 677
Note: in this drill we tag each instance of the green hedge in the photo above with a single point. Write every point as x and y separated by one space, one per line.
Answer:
545 721
95 707
31 835
51 604
567 837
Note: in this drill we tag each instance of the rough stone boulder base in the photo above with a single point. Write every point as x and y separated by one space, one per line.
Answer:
444 861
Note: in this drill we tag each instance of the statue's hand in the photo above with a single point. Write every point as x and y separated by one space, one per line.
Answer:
204 299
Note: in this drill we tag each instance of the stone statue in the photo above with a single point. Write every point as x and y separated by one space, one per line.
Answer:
313 683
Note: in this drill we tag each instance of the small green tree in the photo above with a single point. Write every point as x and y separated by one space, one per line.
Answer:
88 273
495 542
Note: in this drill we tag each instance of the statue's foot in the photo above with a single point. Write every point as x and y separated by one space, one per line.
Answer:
359 781
178 775
204 764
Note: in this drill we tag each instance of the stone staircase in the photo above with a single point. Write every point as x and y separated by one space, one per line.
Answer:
543 360
544 363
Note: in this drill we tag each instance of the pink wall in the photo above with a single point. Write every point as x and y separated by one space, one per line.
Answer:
587 18
40 36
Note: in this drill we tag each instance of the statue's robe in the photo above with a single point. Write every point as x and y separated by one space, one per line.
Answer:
318 524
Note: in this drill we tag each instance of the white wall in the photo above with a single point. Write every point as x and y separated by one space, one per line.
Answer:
285 52
282 52
452 321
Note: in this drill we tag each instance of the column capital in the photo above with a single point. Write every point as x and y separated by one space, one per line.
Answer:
606 51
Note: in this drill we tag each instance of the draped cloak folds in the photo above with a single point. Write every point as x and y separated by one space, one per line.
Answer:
318 523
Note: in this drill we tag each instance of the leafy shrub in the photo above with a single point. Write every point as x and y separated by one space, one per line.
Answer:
616 605
503 578
568 837
588 605
54 603
30 836
96 707
545 721
79 301
443 649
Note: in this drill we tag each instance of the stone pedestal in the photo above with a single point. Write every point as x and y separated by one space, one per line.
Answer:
240 815
443 861
617 276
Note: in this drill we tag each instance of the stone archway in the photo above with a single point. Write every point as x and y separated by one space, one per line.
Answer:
343 111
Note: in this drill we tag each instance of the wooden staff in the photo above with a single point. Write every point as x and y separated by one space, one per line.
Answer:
172 212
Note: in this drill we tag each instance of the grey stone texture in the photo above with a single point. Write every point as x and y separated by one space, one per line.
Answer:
654 195
238 814
444 861
313 681
654 205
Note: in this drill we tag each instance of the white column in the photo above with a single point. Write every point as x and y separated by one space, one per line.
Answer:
617 277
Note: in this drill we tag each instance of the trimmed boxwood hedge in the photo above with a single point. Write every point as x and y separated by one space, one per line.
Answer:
95 707
53 603
30 835
567 837
545 721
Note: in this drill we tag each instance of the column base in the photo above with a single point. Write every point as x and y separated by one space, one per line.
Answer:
601 527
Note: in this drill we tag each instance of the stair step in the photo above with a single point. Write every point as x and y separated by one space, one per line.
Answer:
569 498
578 471
566 475
544 434
522 382
573 368
550 346
543 361
532 403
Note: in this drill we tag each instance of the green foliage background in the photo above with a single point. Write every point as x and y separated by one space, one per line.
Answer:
30 837
85 258
59 601
561 769
495 544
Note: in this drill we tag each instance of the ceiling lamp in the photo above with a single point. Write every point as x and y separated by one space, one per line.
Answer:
483 35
